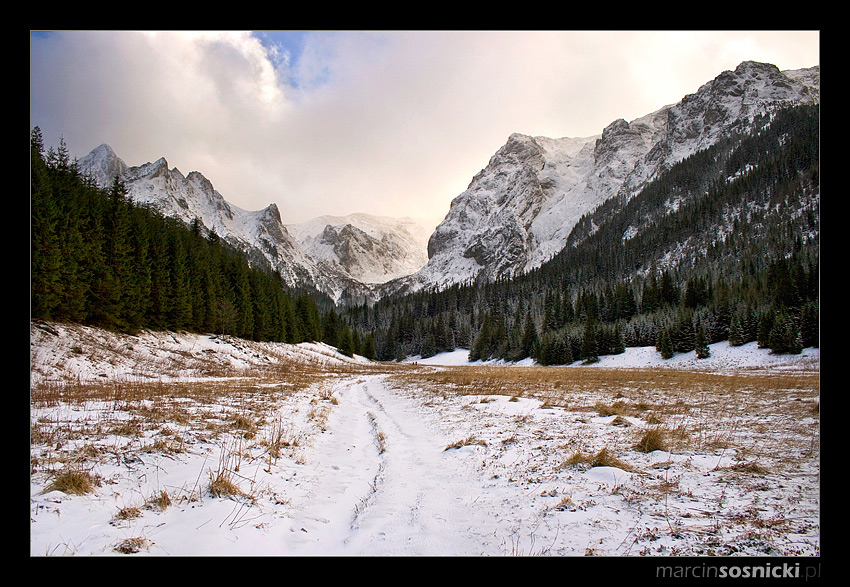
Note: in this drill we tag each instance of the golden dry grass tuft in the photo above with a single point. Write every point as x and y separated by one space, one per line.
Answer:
132 545
74 481
159 501
651 440
222 485
603 458
468 441
128 513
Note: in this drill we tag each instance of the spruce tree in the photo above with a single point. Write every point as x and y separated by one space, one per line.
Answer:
345 342
528 343
809 325
46 284
701 344
589 347
369 347
736 331
664 345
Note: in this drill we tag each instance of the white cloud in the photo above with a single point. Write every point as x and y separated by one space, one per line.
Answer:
380 122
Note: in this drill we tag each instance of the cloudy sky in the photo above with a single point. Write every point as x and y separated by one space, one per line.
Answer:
386 122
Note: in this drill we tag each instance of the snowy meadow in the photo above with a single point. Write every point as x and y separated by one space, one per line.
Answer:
183 445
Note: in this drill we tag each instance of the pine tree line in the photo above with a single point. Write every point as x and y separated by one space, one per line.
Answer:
97 258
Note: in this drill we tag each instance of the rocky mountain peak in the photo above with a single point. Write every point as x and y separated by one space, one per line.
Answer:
103 165
516 213
349 256
519 210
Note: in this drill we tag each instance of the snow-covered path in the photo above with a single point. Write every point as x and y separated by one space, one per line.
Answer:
384 483
333 456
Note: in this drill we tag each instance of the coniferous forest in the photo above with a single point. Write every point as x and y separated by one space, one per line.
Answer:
99 259
723 246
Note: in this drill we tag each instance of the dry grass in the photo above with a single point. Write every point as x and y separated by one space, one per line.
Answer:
652 440
754 409
132 545
565 504
136 417
73 481
128 513
603 458
160 501
222 484
468 441
627 385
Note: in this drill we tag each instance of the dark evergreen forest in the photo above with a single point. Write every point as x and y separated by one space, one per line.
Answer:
99 259
723 246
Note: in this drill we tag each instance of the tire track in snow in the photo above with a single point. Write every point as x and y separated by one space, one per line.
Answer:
342 470
382 483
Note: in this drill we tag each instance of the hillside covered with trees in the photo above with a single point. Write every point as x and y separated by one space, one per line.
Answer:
723 246
99 259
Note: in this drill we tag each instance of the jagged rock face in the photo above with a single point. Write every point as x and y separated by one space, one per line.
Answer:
489 229
103 165
515 214
519 210
336 256
364 248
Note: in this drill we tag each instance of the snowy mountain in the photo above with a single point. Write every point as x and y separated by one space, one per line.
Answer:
343 257
519 210
365 248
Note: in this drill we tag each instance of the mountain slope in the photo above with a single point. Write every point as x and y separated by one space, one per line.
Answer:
724 245
520 209
369 249
340 257
517 213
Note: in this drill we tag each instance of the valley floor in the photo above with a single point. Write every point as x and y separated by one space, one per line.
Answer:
174 444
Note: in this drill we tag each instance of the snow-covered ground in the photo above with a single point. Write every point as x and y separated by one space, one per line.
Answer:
327 455
723 357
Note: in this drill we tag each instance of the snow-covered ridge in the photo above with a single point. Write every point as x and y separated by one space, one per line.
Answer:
519 210
61 353
332 254
516 213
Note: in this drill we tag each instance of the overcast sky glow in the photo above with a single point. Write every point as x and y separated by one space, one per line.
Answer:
387 122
